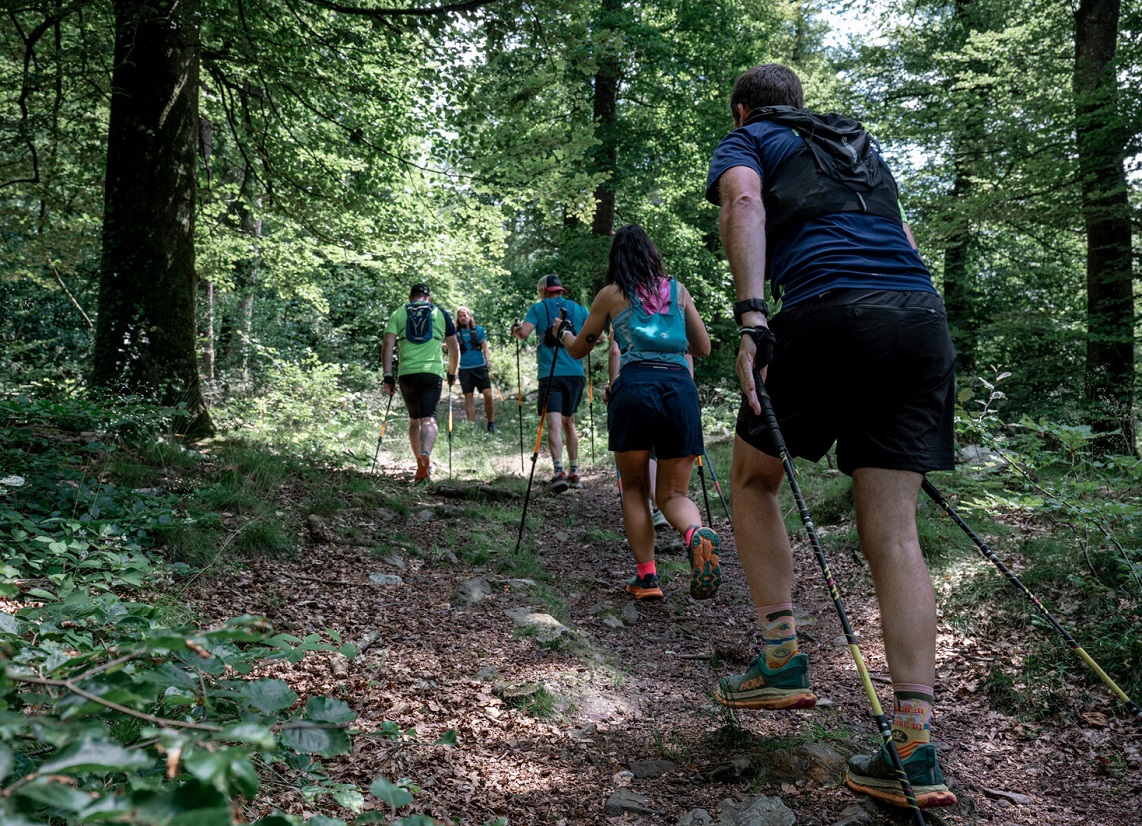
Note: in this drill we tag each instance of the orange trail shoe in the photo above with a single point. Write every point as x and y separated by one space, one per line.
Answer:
422 463
644 587
705 573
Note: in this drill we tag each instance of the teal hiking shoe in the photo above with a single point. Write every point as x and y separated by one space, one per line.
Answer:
658 519
705 573
873 774
758 687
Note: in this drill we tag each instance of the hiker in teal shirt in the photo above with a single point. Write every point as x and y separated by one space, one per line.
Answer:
561 390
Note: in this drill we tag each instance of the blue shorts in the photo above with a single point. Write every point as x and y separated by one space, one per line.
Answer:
561 394
873 371
655 408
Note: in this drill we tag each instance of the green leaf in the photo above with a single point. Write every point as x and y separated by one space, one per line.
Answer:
350 797
269 696
95 756
448 738
255 735
9 624
322 741
6 760
324 820
415 820
55 794
328 710
396 796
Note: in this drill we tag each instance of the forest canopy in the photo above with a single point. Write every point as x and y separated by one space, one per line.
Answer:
286 169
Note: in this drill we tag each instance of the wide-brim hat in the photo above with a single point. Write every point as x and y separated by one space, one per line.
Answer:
550 283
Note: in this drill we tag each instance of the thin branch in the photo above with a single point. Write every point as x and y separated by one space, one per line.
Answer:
419 12
55 272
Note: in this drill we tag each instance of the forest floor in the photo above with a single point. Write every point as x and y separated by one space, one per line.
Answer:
547 732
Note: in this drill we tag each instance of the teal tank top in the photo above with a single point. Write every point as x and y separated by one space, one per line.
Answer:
658 337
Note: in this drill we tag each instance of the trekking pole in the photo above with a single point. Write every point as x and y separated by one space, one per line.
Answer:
705 494
381 437
519 402
718 487
450 431
770 419
492 381
591 406
539 435
939 499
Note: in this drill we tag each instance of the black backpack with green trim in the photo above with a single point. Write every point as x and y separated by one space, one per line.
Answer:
837 168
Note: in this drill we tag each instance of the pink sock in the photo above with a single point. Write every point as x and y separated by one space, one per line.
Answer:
645 568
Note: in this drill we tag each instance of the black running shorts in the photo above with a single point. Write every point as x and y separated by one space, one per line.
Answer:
656 409
475 378
873 371
421 394
566 393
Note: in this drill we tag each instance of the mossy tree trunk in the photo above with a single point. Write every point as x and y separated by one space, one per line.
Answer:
145 336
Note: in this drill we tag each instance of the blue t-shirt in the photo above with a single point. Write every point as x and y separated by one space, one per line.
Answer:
841 250
543 314
471 346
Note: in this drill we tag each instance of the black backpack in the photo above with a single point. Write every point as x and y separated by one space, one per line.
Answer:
837 168
418 324
468 341
548 339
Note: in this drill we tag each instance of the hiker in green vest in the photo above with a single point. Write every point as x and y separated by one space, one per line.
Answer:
561 378
654 404
422 329
859 355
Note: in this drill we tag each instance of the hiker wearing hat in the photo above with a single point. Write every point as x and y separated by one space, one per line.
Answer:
653 404
421 328
475 366
562 387
859 355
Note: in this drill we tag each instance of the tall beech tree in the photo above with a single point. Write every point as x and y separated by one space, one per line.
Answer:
145 334
1102 145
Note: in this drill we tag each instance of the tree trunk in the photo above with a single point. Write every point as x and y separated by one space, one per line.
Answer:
606 154
145 337
957 290
1102 138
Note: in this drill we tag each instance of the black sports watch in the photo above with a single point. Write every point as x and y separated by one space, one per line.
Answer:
749 305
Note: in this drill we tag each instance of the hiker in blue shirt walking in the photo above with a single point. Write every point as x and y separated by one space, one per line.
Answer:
562 389
475 366
860 355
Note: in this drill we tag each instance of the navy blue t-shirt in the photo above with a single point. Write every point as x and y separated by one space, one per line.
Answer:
841 250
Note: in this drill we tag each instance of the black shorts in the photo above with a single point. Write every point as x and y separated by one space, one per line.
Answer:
421 394
873 371
656 409
475 378
566 393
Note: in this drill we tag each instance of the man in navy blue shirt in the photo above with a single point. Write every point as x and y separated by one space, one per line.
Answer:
861 357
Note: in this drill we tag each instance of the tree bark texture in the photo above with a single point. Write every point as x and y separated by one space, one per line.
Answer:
606 130
1102 140
145 337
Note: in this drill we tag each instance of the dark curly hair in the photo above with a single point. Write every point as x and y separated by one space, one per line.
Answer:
634 261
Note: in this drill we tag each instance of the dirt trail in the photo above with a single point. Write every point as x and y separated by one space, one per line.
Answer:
639 688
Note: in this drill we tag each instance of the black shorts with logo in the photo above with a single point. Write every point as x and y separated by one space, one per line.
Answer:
873 371
421 394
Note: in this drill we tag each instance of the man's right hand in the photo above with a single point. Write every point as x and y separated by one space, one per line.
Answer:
515 329
754 355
